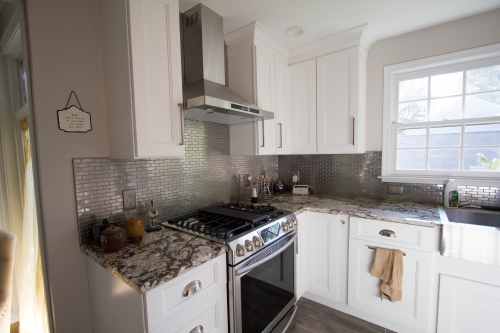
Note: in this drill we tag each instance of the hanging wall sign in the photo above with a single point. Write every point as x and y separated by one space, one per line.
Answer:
73 118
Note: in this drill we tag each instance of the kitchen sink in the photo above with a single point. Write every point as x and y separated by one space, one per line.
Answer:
470 234
471 216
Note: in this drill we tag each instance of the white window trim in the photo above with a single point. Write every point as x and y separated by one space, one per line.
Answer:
485 55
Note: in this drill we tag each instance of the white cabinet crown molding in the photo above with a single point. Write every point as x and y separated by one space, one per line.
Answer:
255 30
361 36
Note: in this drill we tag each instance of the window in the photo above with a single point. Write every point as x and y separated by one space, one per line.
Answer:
442 118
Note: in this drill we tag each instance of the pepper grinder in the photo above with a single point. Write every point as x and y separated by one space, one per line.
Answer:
152 214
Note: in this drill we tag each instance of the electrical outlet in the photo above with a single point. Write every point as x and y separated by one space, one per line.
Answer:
395 190
129 200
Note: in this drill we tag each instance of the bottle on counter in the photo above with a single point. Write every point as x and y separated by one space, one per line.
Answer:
451 194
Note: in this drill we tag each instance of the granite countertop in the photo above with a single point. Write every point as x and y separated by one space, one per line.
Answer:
159 258
166 254
399 212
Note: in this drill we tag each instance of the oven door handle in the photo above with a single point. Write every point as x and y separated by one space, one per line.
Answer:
260 261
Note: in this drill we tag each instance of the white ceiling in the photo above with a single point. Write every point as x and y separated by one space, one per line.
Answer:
322 18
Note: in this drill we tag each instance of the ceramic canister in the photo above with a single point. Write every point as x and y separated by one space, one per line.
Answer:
113 239
134 227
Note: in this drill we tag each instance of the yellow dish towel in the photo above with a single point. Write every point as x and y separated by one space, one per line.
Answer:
388 267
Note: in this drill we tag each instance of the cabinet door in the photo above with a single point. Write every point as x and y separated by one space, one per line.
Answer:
282 110
467 306
364 289
157 83
328 255
339 119
266 93
301 266
303 108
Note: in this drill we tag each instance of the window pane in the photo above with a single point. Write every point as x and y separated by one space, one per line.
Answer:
446 108
412 90
413 159
482 135
483 105
445 136
481 159
446 84
413 112
412 138
444 159
483 79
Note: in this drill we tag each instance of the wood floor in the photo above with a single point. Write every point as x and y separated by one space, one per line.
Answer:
312 317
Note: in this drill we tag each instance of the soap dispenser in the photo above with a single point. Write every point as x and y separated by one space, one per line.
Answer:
451 194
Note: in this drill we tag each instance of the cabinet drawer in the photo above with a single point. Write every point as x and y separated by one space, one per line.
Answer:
167 301
394 234
210 313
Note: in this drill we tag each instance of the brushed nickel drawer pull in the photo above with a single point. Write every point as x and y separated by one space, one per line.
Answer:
281 135
197 329
343 221
387 233
374 248
263 135
192 288
181 107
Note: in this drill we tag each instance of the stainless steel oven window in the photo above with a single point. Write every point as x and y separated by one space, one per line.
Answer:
263 294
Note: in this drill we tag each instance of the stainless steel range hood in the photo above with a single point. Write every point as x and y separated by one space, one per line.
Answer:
206 98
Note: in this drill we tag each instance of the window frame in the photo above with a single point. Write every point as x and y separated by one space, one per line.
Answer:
457 61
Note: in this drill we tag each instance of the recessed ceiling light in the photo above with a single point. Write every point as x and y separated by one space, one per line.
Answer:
295 31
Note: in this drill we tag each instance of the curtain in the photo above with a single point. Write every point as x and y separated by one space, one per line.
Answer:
32 305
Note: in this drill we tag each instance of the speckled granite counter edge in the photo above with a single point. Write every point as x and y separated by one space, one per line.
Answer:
371 217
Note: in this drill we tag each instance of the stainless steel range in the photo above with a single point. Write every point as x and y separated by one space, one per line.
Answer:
261 261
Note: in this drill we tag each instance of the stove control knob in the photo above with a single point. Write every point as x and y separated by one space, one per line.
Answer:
248 245
290 224
284 225
240 250
257 242
294 220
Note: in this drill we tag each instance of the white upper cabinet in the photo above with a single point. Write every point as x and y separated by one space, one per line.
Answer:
341 95
302 133
266 99
142 78
259 73
282 109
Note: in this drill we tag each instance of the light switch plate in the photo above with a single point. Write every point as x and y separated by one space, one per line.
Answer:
129 201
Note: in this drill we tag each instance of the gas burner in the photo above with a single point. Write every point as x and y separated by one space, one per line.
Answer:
226 222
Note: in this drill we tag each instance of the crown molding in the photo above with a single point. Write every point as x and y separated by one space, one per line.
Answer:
10 41
361 36
255 30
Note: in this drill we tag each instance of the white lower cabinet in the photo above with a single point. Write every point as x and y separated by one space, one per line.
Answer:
322 256
328 251
208 314
116 307
364 289
301 258
468 306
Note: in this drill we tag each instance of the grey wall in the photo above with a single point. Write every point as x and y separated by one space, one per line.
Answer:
207 175
356 176
65 47
466 33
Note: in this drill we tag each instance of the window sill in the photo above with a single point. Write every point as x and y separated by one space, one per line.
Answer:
486 182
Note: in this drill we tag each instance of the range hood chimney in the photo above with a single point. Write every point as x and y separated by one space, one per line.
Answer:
206 98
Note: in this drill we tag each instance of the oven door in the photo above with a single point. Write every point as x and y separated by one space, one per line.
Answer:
262 288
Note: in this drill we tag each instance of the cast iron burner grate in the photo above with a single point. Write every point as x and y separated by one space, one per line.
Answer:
226 221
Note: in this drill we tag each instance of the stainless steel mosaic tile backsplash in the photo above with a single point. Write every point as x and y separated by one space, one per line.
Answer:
207 175
356 176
